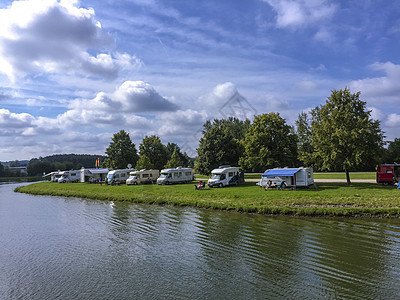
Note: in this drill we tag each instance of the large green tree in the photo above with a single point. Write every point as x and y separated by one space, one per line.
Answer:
343 135
221 144
121 152
269 143
174 161
144 163
392 154
154 149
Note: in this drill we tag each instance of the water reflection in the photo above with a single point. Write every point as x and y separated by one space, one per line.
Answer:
54 247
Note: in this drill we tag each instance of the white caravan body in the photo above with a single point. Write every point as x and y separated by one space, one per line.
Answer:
225 175
70 176
118 176
93 175
293 177
143 176
178 175
54 176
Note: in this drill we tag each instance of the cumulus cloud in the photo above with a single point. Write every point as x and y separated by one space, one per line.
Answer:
378 90
49 36
12 123
291 13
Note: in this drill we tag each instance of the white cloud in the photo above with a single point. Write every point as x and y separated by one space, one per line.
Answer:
291 13
12 123
56 37
378 90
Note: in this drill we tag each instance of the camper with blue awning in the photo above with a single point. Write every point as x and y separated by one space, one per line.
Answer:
292 177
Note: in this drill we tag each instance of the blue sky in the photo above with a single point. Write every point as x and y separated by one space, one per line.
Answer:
72 73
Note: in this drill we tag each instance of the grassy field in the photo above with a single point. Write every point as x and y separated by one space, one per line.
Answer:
328 199
341 175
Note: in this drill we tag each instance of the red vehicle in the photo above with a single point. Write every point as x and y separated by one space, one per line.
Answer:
388 173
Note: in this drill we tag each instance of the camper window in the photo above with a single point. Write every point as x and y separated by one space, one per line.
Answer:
215 176
188 173
230 174
164 175
145 176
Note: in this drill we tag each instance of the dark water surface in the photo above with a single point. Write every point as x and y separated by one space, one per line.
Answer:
68 248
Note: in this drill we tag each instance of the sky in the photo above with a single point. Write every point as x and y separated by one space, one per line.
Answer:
73 73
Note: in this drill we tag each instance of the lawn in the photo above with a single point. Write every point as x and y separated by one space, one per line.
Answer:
327 199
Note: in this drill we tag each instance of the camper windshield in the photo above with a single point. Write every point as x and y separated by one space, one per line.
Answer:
110 176
132 177
164 175
216 176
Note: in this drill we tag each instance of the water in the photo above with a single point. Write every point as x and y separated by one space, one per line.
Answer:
68 248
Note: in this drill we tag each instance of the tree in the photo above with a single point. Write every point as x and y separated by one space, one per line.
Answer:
121 152
154 149
269 143
221 144
392 153
144 162
305 149
186 161
175 160
343 134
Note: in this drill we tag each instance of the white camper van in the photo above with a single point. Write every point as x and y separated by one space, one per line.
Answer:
143 176
288 177
225 175
118 176
70 176
178 175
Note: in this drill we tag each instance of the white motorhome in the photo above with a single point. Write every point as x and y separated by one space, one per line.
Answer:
94 175
69 176
178 175
292 177
143 176
118 176
54 176
225 175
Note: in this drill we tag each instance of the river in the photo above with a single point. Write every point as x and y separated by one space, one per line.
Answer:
69 248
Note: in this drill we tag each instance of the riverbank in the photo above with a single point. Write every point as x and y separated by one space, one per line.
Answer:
328 199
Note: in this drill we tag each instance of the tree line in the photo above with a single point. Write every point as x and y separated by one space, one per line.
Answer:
62 162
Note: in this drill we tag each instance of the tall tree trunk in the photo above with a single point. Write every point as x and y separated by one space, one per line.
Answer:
348 177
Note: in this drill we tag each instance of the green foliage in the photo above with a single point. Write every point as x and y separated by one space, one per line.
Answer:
343 135
393 152
221 144
121 152
175 161
186 161
144 162
269 143
304 145
154 149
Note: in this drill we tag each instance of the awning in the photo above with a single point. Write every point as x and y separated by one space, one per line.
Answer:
280 172
98 171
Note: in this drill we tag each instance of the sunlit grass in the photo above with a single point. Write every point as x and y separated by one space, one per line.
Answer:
333 199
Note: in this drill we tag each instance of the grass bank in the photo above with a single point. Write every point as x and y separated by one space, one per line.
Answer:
328 199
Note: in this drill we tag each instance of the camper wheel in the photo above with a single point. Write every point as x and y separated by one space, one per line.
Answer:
237 182
220 185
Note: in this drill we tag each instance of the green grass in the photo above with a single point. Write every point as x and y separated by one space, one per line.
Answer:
317 175
328 199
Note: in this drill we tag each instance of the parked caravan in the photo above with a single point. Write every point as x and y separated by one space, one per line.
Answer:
292 177
70 176
54 176
93 175
388 173
118 176
225 175
142 176
178 175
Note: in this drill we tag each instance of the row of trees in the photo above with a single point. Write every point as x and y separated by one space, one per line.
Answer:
62 162
337 136
153 154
